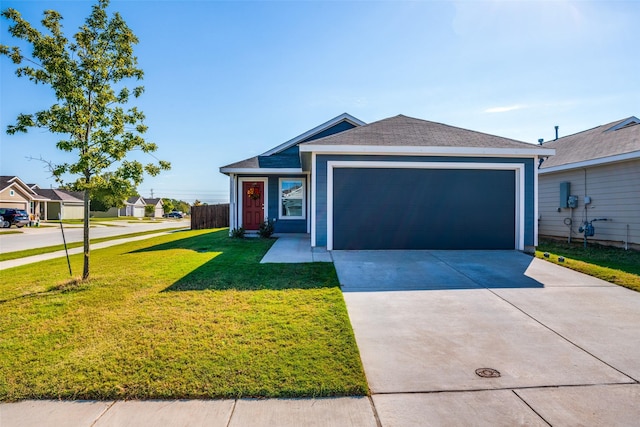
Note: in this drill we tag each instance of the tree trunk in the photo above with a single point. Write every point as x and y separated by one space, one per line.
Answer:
85 269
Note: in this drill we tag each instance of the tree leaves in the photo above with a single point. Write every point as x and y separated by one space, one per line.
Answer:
92 108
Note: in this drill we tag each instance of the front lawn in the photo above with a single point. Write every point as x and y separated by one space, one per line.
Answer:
187 315
614 265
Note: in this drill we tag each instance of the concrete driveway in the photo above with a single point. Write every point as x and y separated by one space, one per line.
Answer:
561 348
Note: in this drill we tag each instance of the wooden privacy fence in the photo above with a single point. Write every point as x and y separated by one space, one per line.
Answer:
209 216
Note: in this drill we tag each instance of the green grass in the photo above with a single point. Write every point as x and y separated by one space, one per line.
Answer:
614 265
71 245
187 315
8 231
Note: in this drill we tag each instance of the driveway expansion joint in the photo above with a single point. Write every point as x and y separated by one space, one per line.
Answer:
562 336
102 414
531 407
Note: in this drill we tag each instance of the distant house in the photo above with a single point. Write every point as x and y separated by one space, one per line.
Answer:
594 175
67 204
398 183
158 210
15 194
134 206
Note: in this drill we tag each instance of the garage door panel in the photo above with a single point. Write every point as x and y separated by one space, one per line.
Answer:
423 209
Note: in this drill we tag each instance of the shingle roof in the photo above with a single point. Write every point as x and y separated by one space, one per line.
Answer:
60 195
407 131
244 164
152 201
596 143
134 199
5 181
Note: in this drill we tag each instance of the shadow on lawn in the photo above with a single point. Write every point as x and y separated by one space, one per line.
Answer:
237 266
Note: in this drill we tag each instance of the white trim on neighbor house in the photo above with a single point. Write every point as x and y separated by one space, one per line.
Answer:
316 130
518 168
425 151
535 201
304 194
624 123
593 162
265 206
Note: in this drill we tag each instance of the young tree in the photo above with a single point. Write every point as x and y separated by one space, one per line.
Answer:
92 109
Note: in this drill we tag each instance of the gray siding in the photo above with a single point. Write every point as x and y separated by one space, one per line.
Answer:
321 186
615 194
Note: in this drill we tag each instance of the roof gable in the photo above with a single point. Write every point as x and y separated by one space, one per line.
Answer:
631 121
135 200
7 181
338 124
286 156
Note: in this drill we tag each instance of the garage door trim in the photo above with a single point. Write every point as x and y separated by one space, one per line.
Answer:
519 169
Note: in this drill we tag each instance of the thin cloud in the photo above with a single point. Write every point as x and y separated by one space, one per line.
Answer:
504 109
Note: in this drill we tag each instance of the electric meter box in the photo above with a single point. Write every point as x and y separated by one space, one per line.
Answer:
572 202
565 191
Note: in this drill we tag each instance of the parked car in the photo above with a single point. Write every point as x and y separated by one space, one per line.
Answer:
176 215
16 217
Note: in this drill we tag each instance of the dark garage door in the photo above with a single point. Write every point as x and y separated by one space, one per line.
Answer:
423 209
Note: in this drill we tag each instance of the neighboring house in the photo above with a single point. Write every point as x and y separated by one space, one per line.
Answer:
15 194
67 204
134 206
398 183
601 168
158 210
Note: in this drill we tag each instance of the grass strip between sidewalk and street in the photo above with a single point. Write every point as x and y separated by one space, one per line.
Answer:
191 314
614 265
37 251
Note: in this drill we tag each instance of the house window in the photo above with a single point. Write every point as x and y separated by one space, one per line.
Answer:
292 198
12 193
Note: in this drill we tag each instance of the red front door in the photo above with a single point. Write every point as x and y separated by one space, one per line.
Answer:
252 205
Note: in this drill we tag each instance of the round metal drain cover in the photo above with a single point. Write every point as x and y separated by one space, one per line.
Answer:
487 373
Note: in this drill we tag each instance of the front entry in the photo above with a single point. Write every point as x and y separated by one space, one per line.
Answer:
252 204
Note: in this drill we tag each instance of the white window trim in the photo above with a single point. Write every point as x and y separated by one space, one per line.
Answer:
304 197
519 169
265 207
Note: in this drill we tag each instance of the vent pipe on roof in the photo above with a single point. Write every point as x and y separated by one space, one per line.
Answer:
556 132
540 141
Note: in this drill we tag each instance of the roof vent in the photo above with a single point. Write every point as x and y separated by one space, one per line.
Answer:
557 127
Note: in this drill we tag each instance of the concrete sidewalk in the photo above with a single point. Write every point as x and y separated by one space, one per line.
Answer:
59 254
295 248
338 412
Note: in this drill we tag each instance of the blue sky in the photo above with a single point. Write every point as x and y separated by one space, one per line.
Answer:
229 80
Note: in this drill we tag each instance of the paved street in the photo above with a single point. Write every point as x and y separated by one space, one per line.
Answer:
50 235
